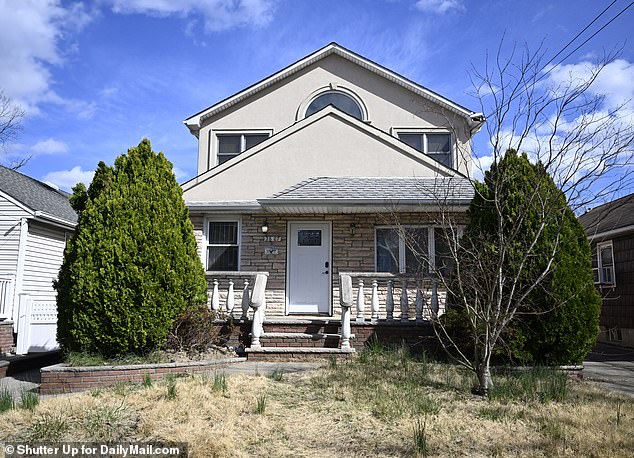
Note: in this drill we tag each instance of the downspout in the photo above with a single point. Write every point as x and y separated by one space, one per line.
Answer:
19 273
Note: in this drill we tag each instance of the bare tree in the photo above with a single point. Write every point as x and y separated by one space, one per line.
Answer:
11 115
573 137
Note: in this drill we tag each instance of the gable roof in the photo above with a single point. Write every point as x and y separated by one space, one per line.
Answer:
329 111
36 196
612 216
475 120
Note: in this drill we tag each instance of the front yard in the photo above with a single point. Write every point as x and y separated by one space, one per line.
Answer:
381 404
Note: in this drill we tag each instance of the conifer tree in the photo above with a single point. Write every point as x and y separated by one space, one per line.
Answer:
132 265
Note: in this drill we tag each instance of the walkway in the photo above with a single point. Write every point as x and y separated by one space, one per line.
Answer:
611 367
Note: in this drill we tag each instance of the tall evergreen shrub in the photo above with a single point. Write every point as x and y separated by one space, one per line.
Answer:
132 265
559 321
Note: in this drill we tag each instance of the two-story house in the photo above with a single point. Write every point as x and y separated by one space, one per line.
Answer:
319 169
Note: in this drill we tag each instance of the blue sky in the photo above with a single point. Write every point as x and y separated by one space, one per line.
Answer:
96 77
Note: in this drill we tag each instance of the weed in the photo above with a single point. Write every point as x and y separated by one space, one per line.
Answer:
260 407
108 423
29 400
6 400
48 427
220 382
374 347
120 388
277 374
493 413
170 384
420 437
332 363
147 381
537 384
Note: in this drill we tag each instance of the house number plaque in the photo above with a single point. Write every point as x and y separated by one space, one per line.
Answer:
271 250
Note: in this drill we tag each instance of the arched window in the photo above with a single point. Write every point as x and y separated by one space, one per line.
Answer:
337 98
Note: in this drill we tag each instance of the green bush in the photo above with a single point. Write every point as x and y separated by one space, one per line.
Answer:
132 265
558 321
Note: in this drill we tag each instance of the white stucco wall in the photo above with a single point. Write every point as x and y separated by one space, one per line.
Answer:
388 106
329 146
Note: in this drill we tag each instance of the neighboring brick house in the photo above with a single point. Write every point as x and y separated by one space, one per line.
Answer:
320 169
610 229
35 221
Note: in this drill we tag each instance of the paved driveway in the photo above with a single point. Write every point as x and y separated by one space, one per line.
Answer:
611 367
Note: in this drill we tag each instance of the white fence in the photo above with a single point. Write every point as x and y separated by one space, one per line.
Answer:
37 326
7 283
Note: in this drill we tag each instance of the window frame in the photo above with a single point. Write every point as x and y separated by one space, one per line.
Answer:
396 131
243 133
332 87
599 269
402 260
221 219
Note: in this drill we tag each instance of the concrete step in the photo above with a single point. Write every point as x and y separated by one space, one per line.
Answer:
300 339
297 353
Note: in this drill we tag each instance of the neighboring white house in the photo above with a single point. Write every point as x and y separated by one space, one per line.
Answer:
35 221
309 172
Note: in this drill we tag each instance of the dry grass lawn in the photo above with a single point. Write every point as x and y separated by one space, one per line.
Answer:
382 404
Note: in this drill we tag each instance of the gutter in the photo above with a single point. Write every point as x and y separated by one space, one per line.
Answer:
56 221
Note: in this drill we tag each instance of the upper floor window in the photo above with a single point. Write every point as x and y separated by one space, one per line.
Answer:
436 145
603 264
230 145
339 99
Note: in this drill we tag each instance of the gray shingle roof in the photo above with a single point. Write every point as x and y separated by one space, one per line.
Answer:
36 195
607 217
378 188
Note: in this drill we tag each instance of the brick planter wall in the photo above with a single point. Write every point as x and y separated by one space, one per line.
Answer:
3 368
6 336
60 378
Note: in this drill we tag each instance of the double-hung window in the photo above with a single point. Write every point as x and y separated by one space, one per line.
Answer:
604 262
413 250
223 245
435 145
232 144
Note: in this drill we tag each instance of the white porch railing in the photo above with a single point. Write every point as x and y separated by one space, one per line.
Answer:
7 283
246 288
391 297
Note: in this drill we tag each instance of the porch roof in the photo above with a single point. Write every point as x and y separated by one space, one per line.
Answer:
371 194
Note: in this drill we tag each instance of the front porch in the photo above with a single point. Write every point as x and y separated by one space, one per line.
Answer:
362 315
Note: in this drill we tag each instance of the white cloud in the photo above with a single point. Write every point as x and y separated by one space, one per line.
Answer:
31 36
66 179
615 81
439 6
217 15
50 146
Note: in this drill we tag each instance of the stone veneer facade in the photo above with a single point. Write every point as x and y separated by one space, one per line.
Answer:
350 252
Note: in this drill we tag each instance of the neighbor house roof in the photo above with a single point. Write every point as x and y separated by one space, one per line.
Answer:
617 215
40 198
475 120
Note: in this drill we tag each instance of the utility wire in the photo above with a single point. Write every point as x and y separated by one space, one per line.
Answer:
586 40
578 47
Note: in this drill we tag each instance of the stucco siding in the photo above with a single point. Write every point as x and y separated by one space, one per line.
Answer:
44 255
388 105
10 215
330 146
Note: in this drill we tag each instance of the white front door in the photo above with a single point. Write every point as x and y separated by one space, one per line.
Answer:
309 267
